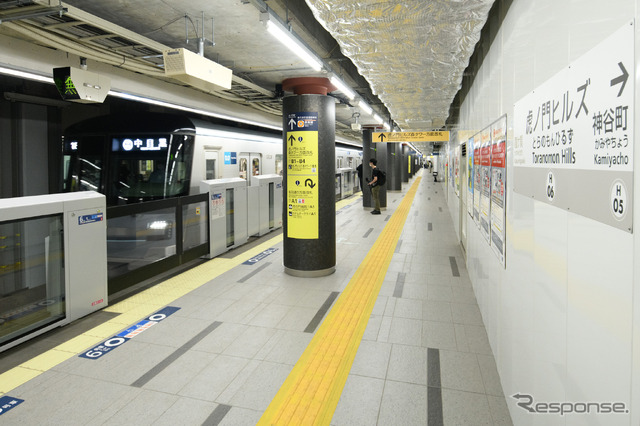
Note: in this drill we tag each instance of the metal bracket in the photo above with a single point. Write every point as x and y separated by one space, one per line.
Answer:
202 41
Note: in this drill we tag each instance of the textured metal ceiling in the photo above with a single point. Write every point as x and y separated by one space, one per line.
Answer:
412 52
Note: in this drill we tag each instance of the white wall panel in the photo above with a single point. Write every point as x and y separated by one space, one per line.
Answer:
563 317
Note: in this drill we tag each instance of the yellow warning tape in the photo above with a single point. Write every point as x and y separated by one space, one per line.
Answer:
311 393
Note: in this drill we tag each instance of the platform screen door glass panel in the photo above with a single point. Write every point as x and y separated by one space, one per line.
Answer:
32 287
230 231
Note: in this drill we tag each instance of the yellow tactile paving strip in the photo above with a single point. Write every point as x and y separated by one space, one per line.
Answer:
132 310
310 394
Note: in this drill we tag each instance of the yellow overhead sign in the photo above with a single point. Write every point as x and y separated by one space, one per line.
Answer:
410 136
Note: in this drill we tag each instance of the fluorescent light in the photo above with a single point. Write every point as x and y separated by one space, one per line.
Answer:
287 39
348 92
366 108
386 127
189 109
377 118
27 75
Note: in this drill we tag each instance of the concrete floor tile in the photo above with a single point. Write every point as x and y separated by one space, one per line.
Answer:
490 375
212 309
408 364
464 313
249 342
477 339
289 347
186 411
173 331
372 359
385 329
405 331
297 319
465 408
408 308
269 316
415 291
403 404
499 411
220 338
373 328
391 307
180 372
122 365
440 293
440 335
237 312
214 378
380 305
463 294
460 371
259 389
461 338
436 310
145 409
359 402
241 417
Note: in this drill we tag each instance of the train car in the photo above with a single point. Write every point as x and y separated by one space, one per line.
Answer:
153 156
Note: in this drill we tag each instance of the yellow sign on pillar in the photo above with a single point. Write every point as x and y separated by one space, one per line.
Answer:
302 206
302 176
409 158
434 136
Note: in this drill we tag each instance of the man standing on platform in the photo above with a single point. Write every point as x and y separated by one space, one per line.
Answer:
375 183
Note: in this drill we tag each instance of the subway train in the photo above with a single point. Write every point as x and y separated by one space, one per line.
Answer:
155 156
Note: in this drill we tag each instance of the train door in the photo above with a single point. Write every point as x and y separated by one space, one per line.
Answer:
210 164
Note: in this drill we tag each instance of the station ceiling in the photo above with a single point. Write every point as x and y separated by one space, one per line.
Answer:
404 58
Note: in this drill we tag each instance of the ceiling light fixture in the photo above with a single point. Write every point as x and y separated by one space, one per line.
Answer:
386 127
26 74
341 85
292 42
366 108
189 109
377 118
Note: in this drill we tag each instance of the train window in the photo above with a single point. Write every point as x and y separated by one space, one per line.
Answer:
242 167
255 166
157 168
82 161
279 164
211 169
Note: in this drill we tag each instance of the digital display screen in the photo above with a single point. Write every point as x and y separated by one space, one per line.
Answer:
136 144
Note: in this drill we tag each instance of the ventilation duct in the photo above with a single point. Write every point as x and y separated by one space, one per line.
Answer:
196 70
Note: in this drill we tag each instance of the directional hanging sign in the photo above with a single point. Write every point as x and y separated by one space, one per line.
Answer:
410 137
573 135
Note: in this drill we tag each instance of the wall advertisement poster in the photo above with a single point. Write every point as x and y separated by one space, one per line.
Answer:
498 185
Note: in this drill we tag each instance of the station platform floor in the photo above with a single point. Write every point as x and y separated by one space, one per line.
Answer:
393 337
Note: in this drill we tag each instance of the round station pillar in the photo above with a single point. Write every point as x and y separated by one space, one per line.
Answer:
309 222
405 163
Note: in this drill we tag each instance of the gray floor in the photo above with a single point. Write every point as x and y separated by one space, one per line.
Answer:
220 359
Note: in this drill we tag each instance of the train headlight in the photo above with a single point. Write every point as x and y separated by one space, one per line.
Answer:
158 224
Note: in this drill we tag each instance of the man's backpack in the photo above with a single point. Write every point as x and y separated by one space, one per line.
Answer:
382 178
